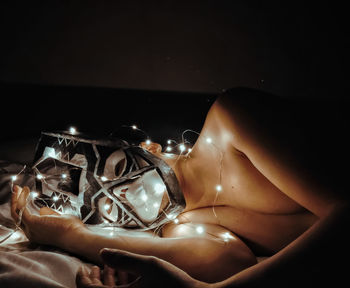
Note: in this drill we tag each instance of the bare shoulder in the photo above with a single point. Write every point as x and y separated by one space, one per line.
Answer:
252 114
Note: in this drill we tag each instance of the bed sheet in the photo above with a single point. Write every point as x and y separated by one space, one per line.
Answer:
23 264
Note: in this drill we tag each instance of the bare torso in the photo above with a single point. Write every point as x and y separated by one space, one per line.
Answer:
248 205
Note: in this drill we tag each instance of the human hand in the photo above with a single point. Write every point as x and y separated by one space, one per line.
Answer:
153 272
50 227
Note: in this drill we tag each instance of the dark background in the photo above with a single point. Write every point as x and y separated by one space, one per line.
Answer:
157 64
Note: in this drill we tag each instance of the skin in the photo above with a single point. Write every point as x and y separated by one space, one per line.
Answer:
268 205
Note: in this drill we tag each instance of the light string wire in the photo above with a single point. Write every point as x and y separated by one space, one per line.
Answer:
182 148
218 187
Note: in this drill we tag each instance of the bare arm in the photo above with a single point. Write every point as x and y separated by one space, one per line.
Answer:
205 258
194 254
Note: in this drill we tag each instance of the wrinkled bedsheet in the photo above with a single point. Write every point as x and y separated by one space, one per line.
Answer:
23 264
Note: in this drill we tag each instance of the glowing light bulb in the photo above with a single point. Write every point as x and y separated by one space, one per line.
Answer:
156 205
106 206
169 141
72 130
34 194
209 140
64 176
168 149
189 150
55 198
104 178
159 188
148 142
144 197
14 177
200 229
39 176
182 147
176 221
134 127
218 188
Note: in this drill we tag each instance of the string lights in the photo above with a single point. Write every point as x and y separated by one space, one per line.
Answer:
184 147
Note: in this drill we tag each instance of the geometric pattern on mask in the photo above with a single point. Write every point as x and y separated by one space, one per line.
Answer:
108 183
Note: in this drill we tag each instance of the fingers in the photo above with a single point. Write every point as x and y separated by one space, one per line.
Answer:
83 279
22 202
108 276
123 277
19 201
95 275
126 261
14 199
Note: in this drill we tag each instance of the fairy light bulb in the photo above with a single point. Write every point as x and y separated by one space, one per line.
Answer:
176 221
148 141
104 178
64 176
39 176
55 198
182 147
134 127
168 149
34 194
72 130
169 141
189 150
14 177
200 229
106 206
209 140
218 188
144 197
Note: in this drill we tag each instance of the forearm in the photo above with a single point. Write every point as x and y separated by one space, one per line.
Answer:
202 258
87 243
315 255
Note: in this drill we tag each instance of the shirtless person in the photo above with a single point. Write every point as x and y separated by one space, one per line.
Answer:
267 205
